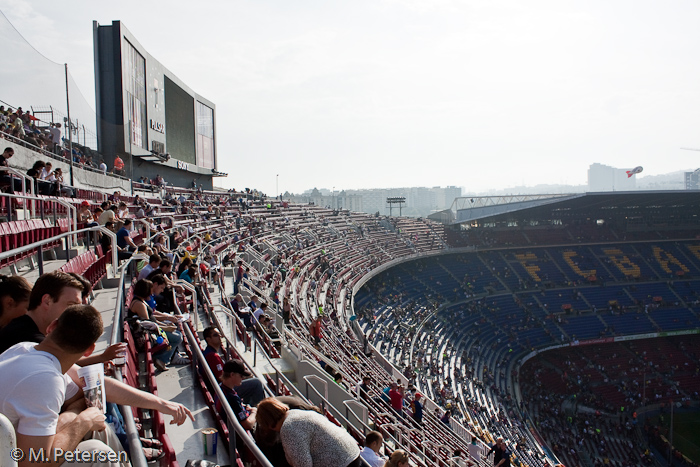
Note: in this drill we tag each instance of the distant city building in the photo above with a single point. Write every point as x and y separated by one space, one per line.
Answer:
692 180
606 178
420 201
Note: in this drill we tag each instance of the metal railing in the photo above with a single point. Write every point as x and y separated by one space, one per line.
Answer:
138 459
234 427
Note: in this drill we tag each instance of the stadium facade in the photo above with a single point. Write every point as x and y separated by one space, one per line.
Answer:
148 114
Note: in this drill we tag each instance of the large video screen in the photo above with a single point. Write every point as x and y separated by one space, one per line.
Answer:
179 123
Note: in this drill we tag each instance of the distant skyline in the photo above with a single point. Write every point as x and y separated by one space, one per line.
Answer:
395 93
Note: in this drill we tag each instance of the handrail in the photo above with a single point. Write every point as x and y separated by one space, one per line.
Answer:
26 211
115 257
187 286
147 224
39 244
23 177
138 459
233 422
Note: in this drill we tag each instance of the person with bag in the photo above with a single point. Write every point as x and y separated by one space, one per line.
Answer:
159 324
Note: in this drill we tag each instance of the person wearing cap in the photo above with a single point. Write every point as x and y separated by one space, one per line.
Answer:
233 373
251 390
84 214
417 409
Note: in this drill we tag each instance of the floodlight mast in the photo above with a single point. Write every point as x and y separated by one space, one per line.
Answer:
395 200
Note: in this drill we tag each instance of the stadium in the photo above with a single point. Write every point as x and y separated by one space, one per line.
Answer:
568 325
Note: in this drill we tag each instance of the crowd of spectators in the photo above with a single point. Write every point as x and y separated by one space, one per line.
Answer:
48 332
48 138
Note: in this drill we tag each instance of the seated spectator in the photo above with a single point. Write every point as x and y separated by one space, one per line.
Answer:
189 275
160 247
61 187
34 386
14 298
371 453
46 171
232 376
153 264
5 157
108 215
124 241
259 312
106 240
84 214
308 438
52 293
123 210
185 264
398 458
251 390
140 309
457 460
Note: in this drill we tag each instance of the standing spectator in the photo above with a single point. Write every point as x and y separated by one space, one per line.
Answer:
239 277
396 396
501 456
103 166
286 310
55 132
315 330
417 409
118 166
474 450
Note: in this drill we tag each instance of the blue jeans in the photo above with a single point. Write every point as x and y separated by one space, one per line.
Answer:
251 391
174 338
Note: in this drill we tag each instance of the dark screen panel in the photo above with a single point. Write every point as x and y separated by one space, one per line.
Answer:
179 123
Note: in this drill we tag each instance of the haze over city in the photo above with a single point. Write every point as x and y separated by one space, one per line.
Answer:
482 95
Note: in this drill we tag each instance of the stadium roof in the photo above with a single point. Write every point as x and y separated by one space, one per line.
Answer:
656 206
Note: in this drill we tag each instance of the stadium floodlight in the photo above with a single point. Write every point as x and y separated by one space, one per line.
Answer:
400 200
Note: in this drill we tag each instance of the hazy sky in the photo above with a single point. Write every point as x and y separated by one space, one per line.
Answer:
386 93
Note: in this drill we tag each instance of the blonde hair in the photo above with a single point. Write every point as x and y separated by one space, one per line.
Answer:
396 457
